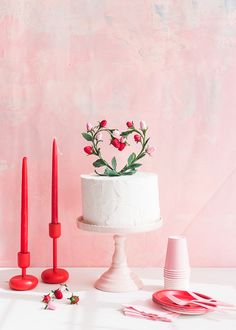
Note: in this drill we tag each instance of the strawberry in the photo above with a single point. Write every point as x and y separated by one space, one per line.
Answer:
46 298
58 294
74 299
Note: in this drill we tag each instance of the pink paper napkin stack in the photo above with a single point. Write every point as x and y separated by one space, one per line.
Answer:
177 269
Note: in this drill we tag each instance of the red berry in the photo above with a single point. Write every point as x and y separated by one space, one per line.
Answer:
122 146
88 150
130 124
116 143
137 138
103 123
58 294
74 299
46 298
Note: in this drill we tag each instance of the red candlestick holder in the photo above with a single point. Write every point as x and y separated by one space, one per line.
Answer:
54 275
23 282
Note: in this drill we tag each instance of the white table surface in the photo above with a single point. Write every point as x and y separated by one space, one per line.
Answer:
101 310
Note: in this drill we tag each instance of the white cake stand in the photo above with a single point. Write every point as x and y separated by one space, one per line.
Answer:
118 278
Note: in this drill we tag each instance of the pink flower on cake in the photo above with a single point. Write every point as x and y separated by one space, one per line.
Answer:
89 126
150 150
116 143
88 150
137 138
143 125
116 133
99 136
103 123
122 139
129 124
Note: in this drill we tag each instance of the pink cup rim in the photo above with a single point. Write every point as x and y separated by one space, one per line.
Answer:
180 276
176 237
176 273
177 270
176 279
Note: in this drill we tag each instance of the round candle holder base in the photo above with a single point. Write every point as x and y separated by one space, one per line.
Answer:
54 276
23 283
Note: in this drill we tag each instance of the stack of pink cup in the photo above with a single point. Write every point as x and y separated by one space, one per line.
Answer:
177 269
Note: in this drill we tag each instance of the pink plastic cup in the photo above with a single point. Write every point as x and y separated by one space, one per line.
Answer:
176 284
176 274
177 254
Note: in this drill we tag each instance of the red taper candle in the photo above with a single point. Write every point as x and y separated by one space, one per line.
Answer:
24 207
54 183
55 274
24 281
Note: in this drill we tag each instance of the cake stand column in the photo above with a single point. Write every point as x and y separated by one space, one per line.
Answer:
119 278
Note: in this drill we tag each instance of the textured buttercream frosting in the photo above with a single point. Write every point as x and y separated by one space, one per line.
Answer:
119 202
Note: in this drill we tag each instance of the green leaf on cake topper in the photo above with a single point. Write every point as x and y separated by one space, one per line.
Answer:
87 136
99 163
131 158
119 141
114 163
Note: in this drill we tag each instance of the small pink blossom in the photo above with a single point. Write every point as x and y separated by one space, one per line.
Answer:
99 136
122 139
50 306
150 150
143 125
89 126
116 134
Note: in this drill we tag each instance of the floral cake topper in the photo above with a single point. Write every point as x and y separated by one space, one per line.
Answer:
119 140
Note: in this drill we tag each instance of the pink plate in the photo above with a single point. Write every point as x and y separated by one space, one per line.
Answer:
160 298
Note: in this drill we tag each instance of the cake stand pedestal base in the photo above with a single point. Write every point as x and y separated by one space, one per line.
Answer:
118 278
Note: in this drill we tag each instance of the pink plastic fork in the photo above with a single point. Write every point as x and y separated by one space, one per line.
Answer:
208 305
131 311
209 300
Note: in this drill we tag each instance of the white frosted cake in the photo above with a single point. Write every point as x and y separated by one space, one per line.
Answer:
120 202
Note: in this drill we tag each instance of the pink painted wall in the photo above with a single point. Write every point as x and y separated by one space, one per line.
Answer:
171 63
